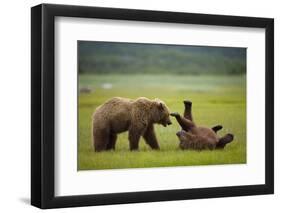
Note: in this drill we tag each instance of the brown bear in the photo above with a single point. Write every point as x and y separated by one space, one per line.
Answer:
197 137
136 116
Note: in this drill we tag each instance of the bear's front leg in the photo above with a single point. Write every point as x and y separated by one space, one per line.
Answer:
134 137
183 122
187 110
150 137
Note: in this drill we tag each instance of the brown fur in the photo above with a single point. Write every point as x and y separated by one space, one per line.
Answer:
136 116
197 137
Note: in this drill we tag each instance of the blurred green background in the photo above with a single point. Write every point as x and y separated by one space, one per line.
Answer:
213 78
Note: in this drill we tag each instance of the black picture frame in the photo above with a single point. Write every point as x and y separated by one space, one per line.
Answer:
43 102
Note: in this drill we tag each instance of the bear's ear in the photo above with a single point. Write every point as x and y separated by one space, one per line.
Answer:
159 103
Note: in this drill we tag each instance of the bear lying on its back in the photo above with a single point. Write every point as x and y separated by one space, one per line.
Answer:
136 116
197 137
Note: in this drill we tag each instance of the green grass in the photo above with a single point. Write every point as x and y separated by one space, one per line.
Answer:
216 100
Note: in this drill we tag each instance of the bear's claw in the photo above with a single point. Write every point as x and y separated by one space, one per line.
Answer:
174 114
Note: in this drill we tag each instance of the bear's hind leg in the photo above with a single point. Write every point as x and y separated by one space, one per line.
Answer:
224 140
101 140
112 142
217 128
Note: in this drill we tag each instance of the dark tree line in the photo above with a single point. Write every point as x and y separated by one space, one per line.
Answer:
112 57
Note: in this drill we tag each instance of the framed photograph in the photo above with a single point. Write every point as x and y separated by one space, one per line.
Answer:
139 106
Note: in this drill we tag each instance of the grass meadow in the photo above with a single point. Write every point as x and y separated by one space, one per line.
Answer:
217 99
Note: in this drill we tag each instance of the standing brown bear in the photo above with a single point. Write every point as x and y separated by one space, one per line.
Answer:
136 116
197 137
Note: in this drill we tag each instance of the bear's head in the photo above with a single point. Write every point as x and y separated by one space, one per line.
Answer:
162 113
186 140
183 136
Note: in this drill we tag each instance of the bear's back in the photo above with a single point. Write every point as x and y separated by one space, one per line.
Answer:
114 113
